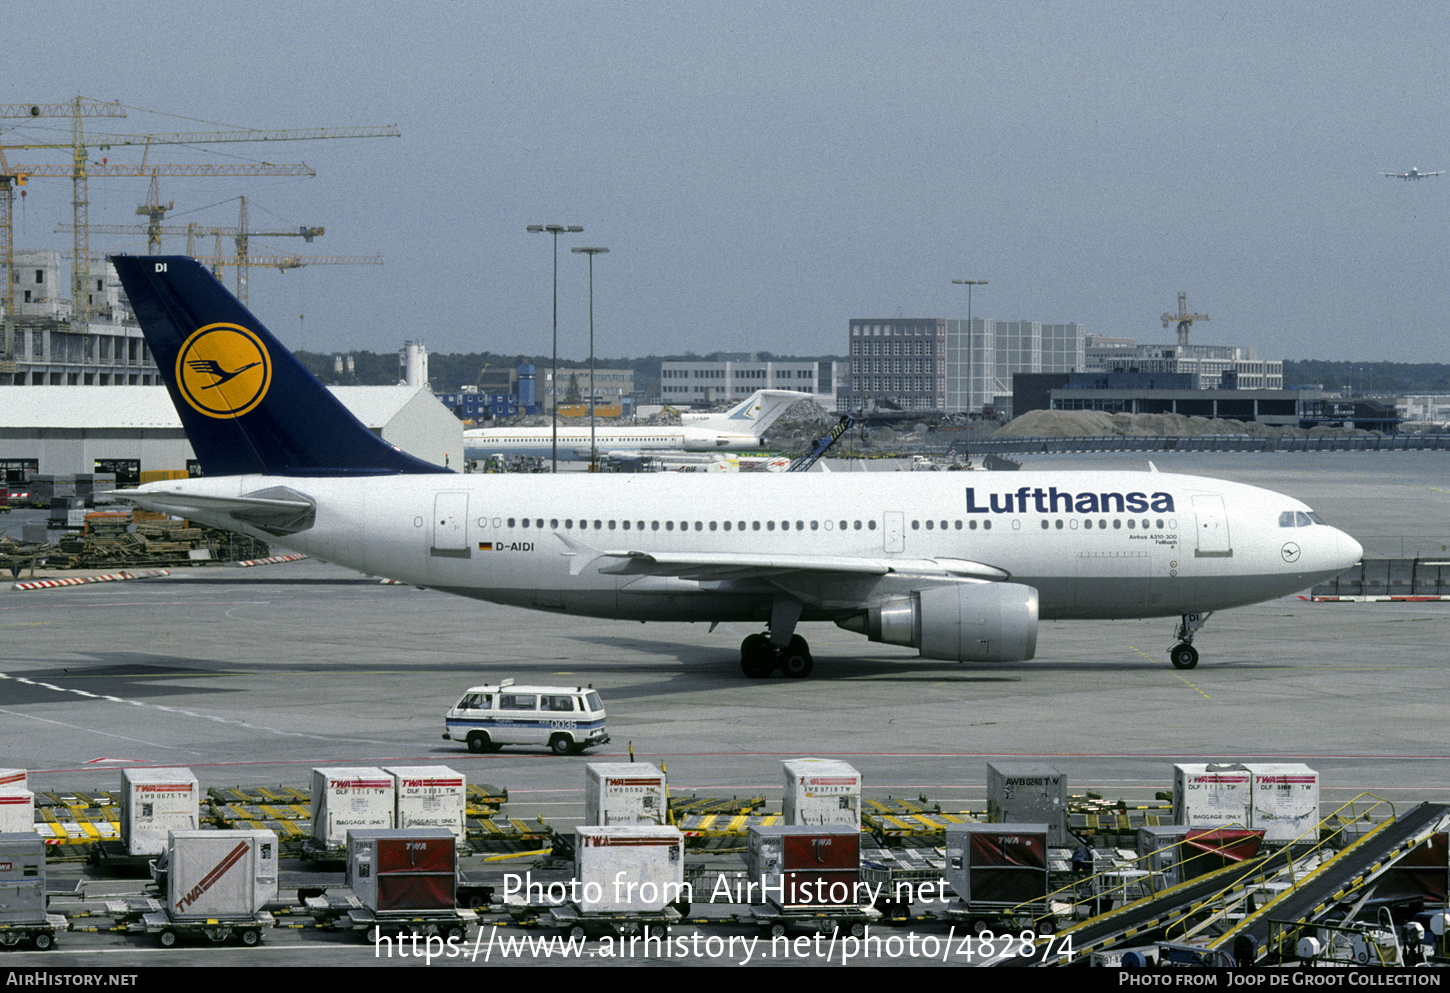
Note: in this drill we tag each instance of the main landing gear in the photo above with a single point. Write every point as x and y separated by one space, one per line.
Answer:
759 657
782 648
1183 655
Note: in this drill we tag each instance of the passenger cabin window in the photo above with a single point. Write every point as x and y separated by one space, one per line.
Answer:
517 701
557 704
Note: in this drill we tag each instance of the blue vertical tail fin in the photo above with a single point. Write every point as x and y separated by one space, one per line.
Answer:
247 404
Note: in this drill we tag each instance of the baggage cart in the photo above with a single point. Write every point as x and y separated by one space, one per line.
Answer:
582 925
778 921
39 933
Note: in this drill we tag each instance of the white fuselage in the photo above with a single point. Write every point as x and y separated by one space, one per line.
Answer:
1094 544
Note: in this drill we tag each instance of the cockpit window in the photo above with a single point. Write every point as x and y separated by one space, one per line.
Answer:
1298 519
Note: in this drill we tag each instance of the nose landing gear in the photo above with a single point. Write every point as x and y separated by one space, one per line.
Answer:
1183 655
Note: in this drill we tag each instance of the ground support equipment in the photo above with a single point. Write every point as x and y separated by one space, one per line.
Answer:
778 921
41 934
149 917
341 909
596 924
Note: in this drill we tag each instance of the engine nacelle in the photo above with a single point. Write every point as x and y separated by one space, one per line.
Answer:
969 622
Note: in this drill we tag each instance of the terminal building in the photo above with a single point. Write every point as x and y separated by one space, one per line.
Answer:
1211 366
937 364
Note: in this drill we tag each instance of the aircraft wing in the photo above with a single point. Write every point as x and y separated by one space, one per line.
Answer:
715 566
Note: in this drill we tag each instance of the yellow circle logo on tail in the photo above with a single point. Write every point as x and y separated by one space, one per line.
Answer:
223 370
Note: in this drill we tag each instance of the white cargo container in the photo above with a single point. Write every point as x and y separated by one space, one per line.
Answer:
628 868
220 874
1285 801
821 791
429 796
17 811
155 802
13 779
348 798
623 793
1212 795
1029 793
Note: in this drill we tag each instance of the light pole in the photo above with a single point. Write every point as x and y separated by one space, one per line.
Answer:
969 283
555 229
593 449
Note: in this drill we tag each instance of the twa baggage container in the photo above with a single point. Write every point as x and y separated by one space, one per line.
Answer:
350 798
13 779
398 870
155 802
429 796
220 874
1285 802
802 866
628 868
1213 795
997 866
821 791
623 793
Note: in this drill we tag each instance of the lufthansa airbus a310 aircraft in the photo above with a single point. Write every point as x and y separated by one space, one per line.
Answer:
961 566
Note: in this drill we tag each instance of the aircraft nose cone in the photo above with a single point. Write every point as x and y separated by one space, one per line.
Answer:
1348 551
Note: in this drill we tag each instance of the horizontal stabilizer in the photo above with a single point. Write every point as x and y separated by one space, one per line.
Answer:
277 510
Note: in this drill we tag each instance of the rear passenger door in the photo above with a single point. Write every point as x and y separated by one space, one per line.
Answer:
518 719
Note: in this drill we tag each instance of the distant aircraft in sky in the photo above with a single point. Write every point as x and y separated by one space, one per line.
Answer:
1414 173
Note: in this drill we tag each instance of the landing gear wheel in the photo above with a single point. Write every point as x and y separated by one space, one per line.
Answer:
796 661
757 656
1183 656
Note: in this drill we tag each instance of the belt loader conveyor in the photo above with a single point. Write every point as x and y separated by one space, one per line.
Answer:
1152 912
1352 868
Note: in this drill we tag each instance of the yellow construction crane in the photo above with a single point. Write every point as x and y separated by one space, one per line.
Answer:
241 234
1184 318
10 178
81 170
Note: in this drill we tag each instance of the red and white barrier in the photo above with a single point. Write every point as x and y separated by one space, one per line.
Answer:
45 584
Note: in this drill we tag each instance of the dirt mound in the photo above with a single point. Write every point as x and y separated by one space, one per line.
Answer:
1095 424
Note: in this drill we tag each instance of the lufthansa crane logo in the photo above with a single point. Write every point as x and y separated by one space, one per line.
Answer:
223 370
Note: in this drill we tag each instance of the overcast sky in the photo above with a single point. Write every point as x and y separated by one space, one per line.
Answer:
764 172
